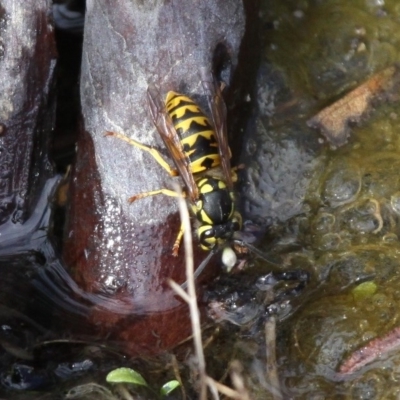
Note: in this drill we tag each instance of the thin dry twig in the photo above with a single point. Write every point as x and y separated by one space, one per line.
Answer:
178 377
190 297
225 390
123 391
272 370
237 380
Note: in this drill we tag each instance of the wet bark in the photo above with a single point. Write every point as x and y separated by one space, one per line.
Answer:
27 61
118 251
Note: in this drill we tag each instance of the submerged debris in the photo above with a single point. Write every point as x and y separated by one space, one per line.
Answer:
244 300
371 351
333 121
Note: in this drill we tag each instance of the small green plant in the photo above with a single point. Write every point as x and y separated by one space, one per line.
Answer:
129 375
364 290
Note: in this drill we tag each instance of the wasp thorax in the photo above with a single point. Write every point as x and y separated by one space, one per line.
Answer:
216 202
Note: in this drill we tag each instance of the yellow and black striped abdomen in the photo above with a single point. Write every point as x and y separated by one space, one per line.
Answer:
195 130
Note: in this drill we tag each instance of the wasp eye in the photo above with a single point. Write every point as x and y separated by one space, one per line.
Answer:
206 234
209 233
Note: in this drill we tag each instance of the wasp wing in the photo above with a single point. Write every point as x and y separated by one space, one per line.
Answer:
218 115
166 129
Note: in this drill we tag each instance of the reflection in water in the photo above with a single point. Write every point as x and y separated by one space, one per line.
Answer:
47 333
27 247
17 238
56 284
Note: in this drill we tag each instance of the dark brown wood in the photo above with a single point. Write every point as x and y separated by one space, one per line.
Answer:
27 61
122 252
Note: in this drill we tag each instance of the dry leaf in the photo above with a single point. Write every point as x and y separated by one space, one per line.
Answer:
333 121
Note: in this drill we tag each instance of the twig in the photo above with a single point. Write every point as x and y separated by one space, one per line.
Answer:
225 390
190 297
237 380
369 353
123 391
272 371
178 377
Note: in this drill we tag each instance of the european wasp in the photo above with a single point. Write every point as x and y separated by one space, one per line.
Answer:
201 155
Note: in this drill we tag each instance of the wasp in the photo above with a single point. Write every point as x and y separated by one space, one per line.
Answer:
200 151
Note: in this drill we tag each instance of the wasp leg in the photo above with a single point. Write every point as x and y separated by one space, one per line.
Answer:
234 172
166 192
175 247
156 155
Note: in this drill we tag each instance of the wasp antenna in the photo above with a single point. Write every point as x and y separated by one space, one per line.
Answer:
201 267
257 252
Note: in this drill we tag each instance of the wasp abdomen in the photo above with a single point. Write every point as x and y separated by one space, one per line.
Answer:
195 130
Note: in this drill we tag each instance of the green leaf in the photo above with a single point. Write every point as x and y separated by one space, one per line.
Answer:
168 387
126 375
